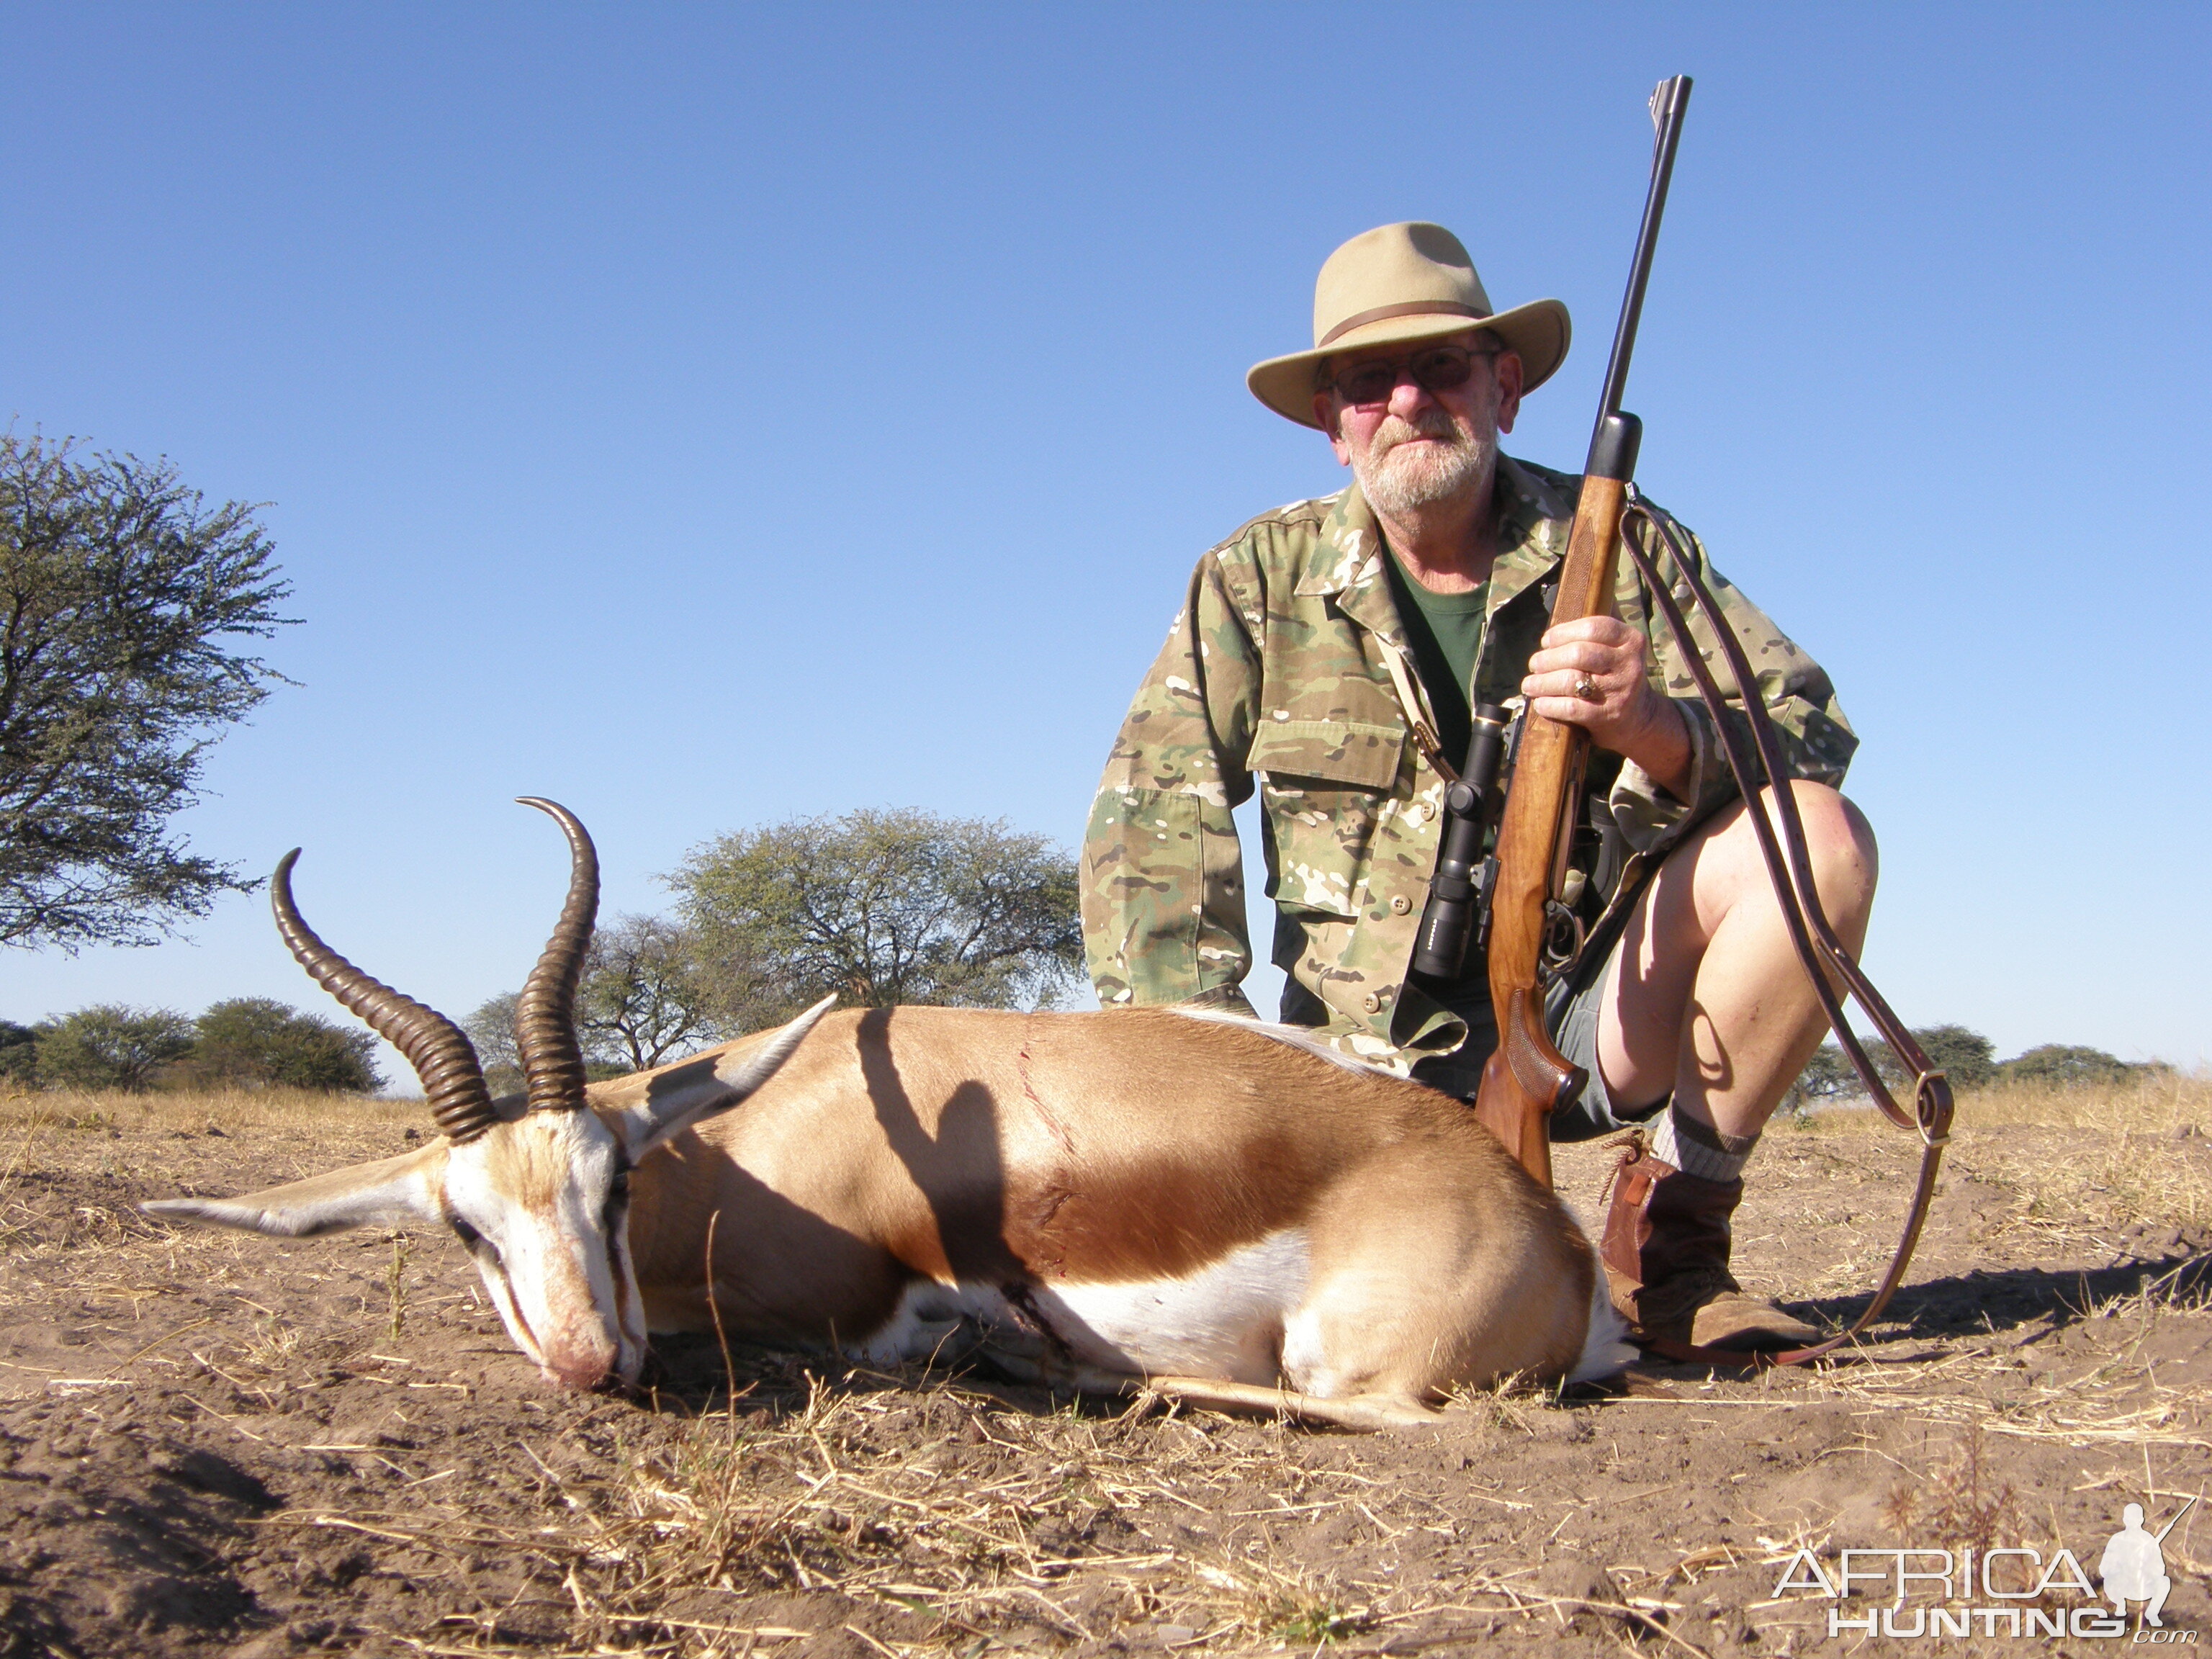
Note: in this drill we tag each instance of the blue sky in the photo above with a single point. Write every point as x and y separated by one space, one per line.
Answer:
706 415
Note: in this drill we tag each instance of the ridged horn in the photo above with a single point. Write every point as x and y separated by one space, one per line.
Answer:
545 1012
438 1049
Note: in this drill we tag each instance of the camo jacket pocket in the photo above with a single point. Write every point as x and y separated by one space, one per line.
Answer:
1323 785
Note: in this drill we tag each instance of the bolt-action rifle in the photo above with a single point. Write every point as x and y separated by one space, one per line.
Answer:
1530 930
1527 1077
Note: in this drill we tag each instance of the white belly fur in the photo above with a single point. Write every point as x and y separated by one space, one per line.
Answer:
1225 1320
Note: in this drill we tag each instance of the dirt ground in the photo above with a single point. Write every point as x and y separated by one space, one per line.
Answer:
211 1443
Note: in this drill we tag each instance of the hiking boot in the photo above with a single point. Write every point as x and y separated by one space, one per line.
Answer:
1666 1256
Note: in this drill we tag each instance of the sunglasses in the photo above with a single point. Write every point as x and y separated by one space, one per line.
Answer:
1439 368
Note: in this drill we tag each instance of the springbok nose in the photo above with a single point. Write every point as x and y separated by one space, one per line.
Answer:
582 1369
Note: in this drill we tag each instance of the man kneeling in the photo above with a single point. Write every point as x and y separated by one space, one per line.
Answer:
1322 641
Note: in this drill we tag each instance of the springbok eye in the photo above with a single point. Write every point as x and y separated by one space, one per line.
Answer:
473 1242
617 1194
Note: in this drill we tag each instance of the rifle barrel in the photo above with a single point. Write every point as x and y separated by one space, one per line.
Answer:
1670 102
2176 1522
1526 1076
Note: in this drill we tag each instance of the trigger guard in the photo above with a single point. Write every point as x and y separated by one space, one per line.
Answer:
1563 938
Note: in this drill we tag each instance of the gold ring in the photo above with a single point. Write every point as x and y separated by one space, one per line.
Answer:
1587 689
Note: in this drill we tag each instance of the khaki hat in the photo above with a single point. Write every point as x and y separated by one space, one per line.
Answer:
1409 281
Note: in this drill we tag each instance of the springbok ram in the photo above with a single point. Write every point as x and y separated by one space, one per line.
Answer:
1216 1209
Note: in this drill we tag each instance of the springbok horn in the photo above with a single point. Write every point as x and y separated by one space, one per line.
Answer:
439 1052
545 1012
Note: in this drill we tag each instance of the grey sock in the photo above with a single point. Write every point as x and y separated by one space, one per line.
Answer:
1699 1148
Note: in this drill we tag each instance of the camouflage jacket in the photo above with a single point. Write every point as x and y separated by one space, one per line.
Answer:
1288 664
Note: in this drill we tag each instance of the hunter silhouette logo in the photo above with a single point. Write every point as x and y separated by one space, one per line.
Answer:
1996 1590
2133 1567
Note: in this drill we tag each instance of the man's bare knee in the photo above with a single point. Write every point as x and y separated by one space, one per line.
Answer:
1846 861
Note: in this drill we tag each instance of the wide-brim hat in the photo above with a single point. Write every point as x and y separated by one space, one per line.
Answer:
1405 282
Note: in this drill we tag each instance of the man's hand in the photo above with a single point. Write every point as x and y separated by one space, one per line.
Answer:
1590 673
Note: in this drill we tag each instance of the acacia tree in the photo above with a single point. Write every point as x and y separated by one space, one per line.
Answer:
19 1053
1828 1075
111 1047
2065 1064
1965 1056
882 907
123 600
254 1042
491 1031
644 997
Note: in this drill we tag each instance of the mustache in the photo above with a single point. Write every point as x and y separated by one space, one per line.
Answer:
1396 429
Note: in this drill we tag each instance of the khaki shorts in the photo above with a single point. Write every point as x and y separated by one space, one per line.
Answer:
1570 1014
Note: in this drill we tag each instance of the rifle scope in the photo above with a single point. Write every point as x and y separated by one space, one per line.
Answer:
1456 895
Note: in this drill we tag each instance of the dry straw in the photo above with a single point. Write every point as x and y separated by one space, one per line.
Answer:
950 1518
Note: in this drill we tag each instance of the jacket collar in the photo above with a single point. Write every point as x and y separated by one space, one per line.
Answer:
1533 519
1532 531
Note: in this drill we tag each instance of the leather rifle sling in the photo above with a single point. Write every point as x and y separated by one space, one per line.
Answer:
1819 949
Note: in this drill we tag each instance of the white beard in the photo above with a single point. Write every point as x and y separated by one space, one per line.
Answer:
1398 479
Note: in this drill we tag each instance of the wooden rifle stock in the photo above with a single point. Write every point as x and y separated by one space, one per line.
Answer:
1527 1078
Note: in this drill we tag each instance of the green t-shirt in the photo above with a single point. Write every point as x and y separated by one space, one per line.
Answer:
1445 631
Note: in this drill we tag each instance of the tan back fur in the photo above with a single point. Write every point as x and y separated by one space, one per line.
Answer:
963 1145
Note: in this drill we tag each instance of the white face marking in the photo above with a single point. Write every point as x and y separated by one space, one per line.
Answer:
550 1245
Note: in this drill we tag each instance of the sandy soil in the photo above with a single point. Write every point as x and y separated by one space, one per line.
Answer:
217 1444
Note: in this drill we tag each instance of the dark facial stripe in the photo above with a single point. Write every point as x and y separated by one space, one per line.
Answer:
614 1218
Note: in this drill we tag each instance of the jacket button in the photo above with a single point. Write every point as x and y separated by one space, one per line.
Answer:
1401 904
1373 1004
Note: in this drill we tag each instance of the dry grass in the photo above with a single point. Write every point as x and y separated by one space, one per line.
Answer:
2031 1187
939 1516
834 1496
944 1522
2151 1167
976 1524
148 1141
233 1109
2155 1103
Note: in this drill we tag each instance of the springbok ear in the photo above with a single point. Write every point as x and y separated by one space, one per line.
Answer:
392 1192
664 1115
